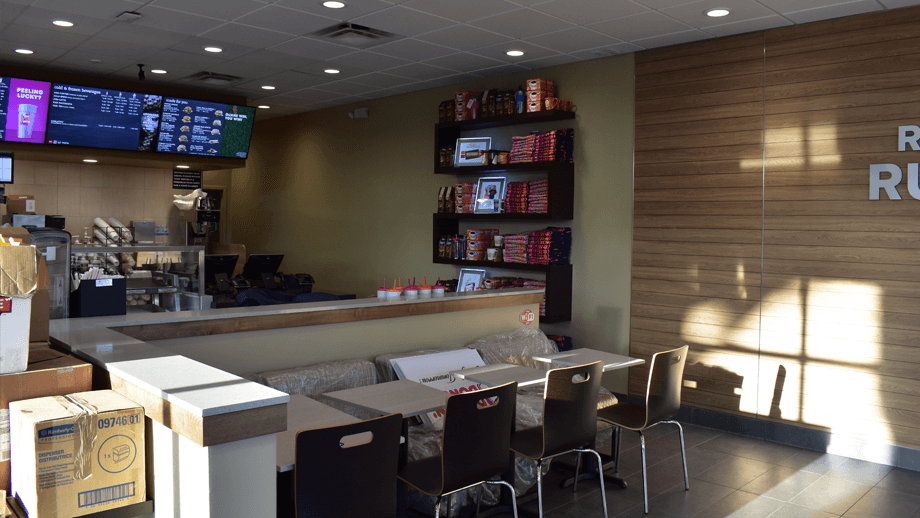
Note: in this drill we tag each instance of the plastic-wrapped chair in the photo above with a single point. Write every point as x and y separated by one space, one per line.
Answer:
314 380
662 401
468 459
348 470
569 421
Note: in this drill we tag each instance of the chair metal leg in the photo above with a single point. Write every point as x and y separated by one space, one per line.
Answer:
683 455
616 453
513 496
437 508
479 499
540 487
600 469
644 482
577 469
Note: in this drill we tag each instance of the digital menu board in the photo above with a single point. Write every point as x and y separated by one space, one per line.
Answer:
202 128
97 117
24 106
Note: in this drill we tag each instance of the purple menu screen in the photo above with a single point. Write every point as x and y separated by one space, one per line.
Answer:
26 110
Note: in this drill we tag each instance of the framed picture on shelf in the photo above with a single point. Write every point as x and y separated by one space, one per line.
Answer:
474 148
470 279
489 195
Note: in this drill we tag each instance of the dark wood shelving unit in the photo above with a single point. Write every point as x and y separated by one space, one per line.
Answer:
560 204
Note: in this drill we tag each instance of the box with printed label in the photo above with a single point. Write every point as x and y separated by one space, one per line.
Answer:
18 282
77 454
49 373
20 204
541 84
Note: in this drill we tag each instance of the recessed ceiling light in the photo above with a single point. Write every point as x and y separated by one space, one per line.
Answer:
331 4
515 53
158 71
717 13
95 60
90 160
268 87
62 23
181 167
23 51
264 106
213 49
331 71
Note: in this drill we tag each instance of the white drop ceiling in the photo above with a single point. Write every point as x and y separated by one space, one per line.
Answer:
439 42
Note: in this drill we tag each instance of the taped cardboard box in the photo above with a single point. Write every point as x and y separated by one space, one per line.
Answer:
77 454
49 373
20 204
18 282
41 299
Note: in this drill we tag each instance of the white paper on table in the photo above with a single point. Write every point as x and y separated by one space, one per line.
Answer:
434 370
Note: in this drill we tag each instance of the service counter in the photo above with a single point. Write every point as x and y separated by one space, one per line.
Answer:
211 432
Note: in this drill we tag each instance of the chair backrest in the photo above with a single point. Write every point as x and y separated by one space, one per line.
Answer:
477 439
348 470
570 408
665 378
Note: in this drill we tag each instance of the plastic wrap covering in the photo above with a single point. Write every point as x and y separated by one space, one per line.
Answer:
517 347
605 398
385 368
314 380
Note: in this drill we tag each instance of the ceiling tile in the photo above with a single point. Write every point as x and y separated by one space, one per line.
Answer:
455 79
270 58
174 74
465 62
106 66
403 21
662 4
276 101
129 33
352 9
295 80
246 35
254 88
286 20
695 14
834 11
420 72
412 87
318 69
570 40
221 9
11 10
413 50
757 24
313 95
608 50
346 88
500 71
528 3
639 26
42 18
22 35
498 52
243 69
381 80
523 23
551 61
117 49
106 9
672 39
467 11
173 21
463 37
366 60
590 11
315 49
177 58
897 4
788 6
42 54
196 45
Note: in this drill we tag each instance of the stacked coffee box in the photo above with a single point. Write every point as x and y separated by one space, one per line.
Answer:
541 95
478 241
465 197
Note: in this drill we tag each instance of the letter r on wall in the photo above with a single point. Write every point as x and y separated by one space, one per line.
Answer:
876 183
905 138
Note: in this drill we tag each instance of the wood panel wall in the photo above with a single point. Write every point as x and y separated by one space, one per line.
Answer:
754 238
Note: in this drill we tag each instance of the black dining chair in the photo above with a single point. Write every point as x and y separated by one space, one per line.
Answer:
475 445
348 470
662 401
569 421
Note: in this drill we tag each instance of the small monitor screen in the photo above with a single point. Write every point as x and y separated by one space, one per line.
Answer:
257 264
23 109
218 263
6 167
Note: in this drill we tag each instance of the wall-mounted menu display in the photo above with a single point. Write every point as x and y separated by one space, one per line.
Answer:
96 117
23 109
202 128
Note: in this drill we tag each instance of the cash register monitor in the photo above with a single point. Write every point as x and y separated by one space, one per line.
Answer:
218 269
6 167
262 267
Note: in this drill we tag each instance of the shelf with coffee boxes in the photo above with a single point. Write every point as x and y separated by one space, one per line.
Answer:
532 154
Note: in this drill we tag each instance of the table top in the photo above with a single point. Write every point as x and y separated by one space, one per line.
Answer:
404 397
584 356
501 373
304 413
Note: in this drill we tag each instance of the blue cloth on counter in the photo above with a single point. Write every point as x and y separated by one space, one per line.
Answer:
263 297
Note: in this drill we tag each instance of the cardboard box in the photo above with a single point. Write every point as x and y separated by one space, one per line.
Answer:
56 474
541 84
534 107
20 204
25 220
41 302
18 282
538 95
49 373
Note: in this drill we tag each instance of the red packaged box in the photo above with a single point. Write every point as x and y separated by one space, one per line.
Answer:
534 107
538 95
476 245
541 84
475 256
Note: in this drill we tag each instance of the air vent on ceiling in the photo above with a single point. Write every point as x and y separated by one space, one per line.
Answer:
212 78
354 35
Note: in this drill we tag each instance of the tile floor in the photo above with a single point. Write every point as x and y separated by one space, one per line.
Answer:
739 477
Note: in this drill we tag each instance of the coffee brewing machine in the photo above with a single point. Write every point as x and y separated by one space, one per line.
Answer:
199 223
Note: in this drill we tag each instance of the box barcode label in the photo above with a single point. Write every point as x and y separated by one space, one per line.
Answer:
105 494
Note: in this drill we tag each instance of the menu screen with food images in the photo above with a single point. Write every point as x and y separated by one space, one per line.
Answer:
191 127
237 131
96 117
24 109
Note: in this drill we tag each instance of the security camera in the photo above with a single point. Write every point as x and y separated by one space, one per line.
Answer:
141 75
